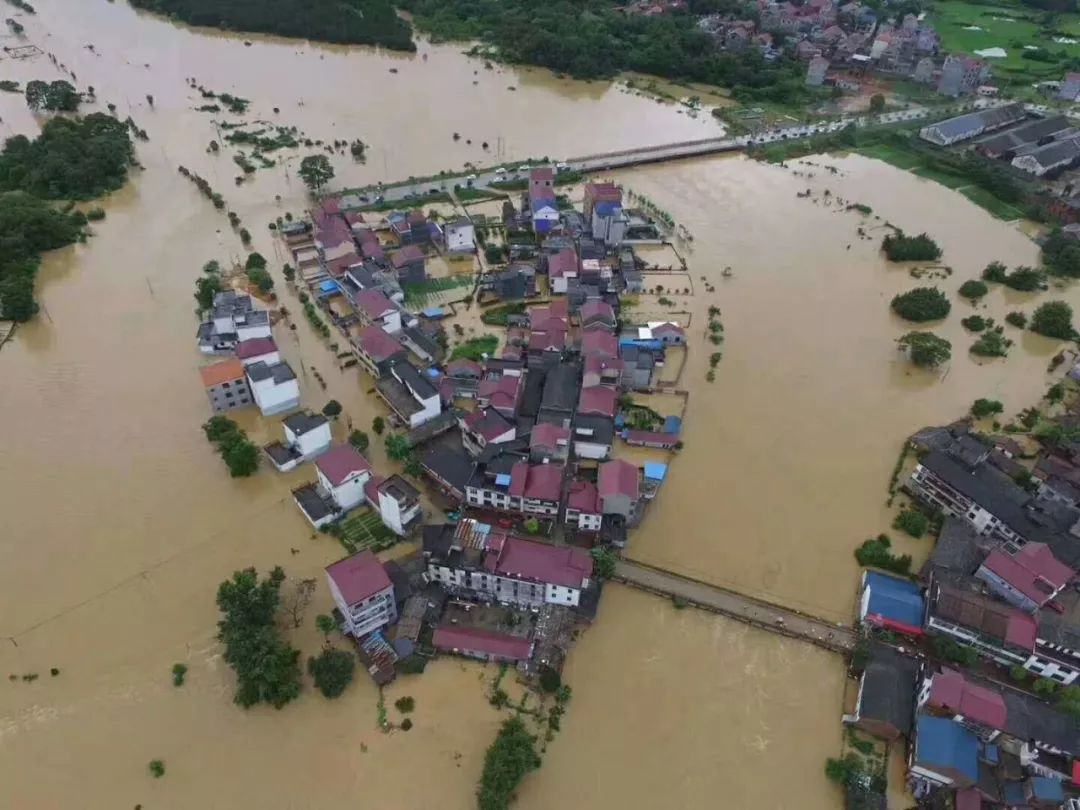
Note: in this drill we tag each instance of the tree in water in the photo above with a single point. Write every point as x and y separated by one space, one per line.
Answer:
316 171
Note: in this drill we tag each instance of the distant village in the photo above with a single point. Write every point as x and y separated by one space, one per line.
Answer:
971 664
528 442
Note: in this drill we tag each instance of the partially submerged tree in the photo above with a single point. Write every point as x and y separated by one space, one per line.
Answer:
1054 319
316 171
925 348
921 304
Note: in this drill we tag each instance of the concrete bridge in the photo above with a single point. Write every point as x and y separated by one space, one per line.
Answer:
734 605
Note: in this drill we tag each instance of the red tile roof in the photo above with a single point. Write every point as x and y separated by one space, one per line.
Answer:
372 250
603 192
255 347
603 344
618 477
584 497
503 392
331 230
487 642
407 255
550 436
371 489
354 218
598 399
377 344
595 364
373 302
337 267
545 341
950 692
542 174
464 368
340 462
592 310
1034 571
225 371
359 577
567 566
643 438
548 318
541 482
669 329
563 263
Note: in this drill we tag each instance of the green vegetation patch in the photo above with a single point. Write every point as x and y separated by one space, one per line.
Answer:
365 530
475 348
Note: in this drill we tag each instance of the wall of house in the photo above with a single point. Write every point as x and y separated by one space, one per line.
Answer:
229 396
533 506
478 496
269 358
273 399
562 595
430 408
350 493
1050 668
313 442
391 322
592 450
248 332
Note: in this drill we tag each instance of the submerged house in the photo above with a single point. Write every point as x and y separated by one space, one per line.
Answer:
307 435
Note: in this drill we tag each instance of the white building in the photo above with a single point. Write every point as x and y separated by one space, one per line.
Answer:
307 435
342 474
460 236
273 387
363 593
476 560
232 319
398 503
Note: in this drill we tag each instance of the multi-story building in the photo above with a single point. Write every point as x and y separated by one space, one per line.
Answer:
307 435
274 387
397 502
377 351
619 485
363 593
226 386
481 562
342 474
233 318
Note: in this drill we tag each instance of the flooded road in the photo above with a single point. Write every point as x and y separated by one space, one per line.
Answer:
119 521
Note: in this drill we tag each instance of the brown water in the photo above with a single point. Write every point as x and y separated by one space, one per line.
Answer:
119 522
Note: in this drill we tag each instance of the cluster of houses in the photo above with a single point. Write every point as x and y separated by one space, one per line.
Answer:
520 445
1000 589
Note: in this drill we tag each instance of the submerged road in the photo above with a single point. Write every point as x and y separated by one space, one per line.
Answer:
734 605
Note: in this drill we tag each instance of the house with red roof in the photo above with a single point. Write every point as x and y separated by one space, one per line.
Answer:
1029 579
341 474
374 307
226 386
541 199
599 344
363 593
602 371
377 351
597 315
408 263
483 645
952 696
619 486
583 510
554 317
537 487
372 250
342 264
549 341
485 427
562 267
670 334
549 442
598 400
501 392
258 350
492 564
651 438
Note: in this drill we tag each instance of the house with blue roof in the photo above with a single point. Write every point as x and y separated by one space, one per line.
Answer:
945 753
1038 791
892 602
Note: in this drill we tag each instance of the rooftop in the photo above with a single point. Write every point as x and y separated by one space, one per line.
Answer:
280 372
583 496
541 482
618 477
563 263
377 344
894 600
407 255
1034 571
338 463
598 399
599 343
410 376
549 436
373 303
597 310
359 577
943 744
567 566
488 423
474 639
225 371
561 387
888 688
304 422
951 692
989 617
255 347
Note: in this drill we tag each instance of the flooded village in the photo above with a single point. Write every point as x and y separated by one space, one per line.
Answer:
540 354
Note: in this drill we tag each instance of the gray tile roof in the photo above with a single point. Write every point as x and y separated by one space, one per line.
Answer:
888 690
304 422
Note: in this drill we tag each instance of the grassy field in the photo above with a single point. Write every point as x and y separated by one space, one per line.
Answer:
967 27
365 530
436 291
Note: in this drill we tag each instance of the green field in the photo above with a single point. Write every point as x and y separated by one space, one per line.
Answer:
982 197
365 530
434 291
1009 26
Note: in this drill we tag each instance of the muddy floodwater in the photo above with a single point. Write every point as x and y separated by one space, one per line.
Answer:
119 521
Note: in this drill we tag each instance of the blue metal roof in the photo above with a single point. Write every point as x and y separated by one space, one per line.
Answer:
434 312
943 743
895 599
434 373
1047 789
328 286
673 424
502 480
655 471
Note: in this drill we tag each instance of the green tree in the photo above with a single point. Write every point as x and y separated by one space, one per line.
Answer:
332 409
921 304
157 768
604 561
261 279
255 260
1055 393
36 93
996 272
982 408
991 344
877 103
876 553
1017 319
974 323
846 770
550 680
925 348
405 704
397 447
899 247
267 668
508 760
1025 279
241 456
1068 700
332 671
973 290
206 287
1061 255
912 522
378 425
316 171
325 624
1053 319
179 673
359 440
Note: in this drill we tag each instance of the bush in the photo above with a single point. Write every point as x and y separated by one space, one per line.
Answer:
996 272
1054 319
951 651
901 248
405 704
925 348
332 671
332 409
982 408
378 425
157 768
261 279
359 440
1017 319
179 672
973 289
509 758
550 680
991 344
1025 279
406 724
241 456
96 214
255 261
974 323
1061 255
912 522
876 553
921 304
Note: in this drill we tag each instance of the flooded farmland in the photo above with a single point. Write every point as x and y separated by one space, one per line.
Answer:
119 521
